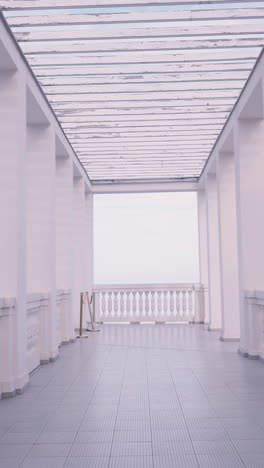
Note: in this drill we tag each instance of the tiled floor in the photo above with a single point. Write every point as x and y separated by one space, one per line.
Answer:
162 396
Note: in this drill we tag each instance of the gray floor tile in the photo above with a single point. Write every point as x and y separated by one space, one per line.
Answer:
91 450
10 463
56 437
131 462
132 449
213 447
14 450
253 460
49 450
53 462
182 460
87 462
220 461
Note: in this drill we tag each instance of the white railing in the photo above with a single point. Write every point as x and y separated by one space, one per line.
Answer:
148 303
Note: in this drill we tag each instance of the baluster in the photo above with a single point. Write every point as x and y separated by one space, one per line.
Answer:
122 304
140 303
165 302
127 303
190 305
159 304
103 314
178 303
134 303
109 304
152 304
172 303
147 303
184 305
115 303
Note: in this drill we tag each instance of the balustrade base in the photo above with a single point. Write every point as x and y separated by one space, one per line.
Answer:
250 356
13 393
213 329
229 340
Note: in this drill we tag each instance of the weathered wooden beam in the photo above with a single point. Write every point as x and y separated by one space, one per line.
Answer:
125 114
147 58
112 89
169 103
144 79
151 16
140 33
144 126
195 134
149 96
78 47
155 121
115 72
60 4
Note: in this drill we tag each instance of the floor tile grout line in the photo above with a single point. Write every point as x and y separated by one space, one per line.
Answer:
151 432
188 430
85 411
121 387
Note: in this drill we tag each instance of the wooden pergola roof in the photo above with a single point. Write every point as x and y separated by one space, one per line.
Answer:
142 88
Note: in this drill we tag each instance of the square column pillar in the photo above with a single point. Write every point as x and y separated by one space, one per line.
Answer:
13 329
228 247
79 280
89 241
64 245
203 252
249 163
41 232
215 315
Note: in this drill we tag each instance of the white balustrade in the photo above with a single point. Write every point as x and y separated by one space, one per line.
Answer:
148 303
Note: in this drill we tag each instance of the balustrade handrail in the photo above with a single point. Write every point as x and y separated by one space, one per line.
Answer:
146 287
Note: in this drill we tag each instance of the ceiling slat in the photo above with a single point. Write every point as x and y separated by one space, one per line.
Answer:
147 58
143 32
79 47
210 13
40 4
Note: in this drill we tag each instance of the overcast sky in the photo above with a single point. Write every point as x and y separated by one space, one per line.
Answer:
146 238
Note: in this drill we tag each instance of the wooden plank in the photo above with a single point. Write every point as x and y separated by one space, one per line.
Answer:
115 133
115 72
108 140
144 97
150 16
169 103
196 135
147 58
145 79
58 4
120 32
178 113
145 127
208 86
155 121
77 47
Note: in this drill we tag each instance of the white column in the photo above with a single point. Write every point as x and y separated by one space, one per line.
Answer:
89 240
249 162
215 322
13 371
228 247
203 252
79 283
41 231
64 242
